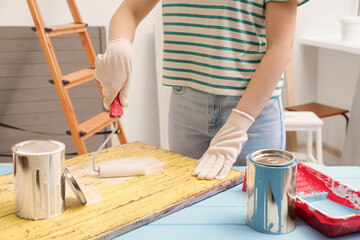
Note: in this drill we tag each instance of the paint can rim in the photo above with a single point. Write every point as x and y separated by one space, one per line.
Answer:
275 154
18 151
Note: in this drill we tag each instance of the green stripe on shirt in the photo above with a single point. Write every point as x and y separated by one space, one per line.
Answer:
208 65
213 7
213 47
211 56
202 83
215 37
251 3
213 27
206 74
213 17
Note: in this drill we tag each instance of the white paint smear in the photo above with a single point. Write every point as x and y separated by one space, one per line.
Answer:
345 192
83 171
152 165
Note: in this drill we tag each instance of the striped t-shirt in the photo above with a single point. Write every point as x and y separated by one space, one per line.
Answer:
214 46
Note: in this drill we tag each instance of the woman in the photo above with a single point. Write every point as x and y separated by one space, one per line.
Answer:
224 60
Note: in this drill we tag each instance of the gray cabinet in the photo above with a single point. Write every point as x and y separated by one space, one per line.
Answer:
29 101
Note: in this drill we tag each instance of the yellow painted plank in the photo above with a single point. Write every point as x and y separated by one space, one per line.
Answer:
115 207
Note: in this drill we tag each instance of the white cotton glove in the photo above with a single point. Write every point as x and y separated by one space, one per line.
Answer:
113 70
224 147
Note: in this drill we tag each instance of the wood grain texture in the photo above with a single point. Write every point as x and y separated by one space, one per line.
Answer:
119 207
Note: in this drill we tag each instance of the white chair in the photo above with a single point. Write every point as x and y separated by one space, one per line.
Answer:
306 122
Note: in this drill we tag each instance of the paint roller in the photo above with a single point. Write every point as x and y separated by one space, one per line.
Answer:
112 170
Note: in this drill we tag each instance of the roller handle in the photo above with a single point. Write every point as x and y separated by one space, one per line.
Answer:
116 109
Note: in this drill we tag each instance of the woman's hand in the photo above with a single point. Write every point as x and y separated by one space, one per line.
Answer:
224 147
113 70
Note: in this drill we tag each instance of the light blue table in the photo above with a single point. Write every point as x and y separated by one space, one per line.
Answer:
222 216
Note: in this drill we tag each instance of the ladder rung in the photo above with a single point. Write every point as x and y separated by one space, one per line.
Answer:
76 78
64 82
95 124
64 29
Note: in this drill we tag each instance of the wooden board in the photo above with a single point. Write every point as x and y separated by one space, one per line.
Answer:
115 209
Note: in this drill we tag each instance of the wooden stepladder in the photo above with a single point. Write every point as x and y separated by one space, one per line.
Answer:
63 83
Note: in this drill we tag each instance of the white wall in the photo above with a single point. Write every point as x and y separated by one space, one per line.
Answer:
140 121
323 75
316 72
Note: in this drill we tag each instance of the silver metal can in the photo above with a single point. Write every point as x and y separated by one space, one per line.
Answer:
271 191
39 179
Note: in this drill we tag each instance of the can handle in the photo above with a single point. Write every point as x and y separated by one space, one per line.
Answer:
116 109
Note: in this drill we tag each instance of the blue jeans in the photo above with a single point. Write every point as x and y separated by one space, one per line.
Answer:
195 117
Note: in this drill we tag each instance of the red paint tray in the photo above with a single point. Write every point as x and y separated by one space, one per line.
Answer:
326 204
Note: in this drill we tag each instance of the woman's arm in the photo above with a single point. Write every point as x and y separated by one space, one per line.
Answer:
113 68
127 17
280 30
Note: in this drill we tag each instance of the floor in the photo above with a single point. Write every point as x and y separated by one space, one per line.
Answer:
329 158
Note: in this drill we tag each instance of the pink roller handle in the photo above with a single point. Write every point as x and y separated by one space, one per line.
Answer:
116 109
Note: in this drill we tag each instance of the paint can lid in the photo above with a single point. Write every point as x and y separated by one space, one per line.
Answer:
75 187
38 147
272 157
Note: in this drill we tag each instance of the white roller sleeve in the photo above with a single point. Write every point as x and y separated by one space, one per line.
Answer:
124 170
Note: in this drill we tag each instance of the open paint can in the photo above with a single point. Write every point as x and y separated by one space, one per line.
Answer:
39 179
271 191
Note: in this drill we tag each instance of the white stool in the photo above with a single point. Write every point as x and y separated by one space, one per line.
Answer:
308 122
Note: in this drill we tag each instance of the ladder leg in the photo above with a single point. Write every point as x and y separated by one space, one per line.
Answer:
73 124
84 36
79 145
85 39
121 135
57 76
